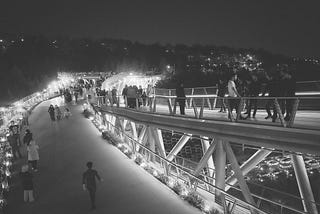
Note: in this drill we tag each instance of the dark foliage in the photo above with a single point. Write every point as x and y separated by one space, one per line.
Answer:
29 63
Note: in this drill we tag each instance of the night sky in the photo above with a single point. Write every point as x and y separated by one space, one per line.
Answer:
288 27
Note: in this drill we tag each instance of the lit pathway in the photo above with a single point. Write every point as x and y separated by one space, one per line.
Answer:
65 147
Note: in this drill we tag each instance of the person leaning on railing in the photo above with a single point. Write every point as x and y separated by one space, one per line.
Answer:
222 89
181 98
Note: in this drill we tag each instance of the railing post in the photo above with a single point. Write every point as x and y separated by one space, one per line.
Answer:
170 97
201 109
195 109
293 112
240 107
154 105
191 99
208 99
175 106
279 112
118 102
170 107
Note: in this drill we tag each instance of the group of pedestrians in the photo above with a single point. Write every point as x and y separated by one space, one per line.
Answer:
32 148
56 113
280 86
134 96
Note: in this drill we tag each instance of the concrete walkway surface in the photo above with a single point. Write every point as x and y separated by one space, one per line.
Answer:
65 147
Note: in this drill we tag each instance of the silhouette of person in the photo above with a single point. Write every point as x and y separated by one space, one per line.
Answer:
89 183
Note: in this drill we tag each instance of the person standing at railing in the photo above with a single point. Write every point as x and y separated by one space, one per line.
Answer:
149 94
288 85
254 88
222 89
181 98
124 94
274 90
114 95
233 96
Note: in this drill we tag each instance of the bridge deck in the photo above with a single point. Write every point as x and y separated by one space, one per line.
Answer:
65 147
304 119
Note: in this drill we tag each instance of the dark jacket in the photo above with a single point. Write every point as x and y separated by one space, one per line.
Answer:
89 178
26 178
180 93
27 138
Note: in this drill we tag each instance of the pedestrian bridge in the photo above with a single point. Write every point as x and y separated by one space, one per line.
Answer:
298 140
218 182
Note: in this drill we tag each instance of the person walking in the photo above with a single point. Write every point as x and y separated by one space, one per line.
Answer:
57 112
27 184
181 98
51 113
89 182
75 93
33 155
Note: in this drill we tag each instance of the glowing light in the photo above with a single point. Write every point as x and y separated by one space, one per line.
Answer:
143 165
126 150
8 173
3 139
155 173
91 118
184 192
170 183
206 207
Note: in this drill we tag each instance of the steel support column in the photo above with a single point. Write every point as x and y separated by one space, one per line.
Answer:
205 146
220 166
304 184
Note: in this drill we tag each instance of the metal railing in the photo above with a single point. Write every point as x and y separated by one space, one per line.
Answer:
200 108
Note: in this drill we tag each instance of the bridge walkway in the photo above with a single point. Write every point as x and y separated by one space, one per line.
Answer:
65 147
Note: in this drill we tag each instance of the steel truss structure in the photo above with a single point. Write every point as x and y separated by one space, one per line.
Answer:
144 130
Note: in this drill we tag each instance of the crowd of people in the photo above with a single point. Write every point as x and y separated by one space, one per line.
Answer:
32 148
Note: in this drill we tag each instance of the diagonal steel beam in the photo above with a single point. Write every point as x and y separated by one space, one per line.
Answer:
236 168
177 148
142 139
204 159
248 165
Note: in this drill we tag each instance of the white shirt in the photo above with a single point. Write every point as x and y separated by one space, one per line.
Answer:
231 86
